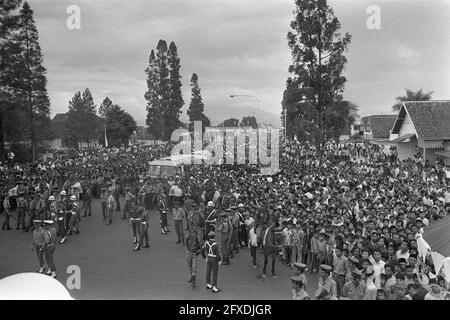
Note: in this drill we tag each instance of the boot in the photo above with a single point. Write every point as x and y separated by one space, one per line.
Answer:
191 279
134 240
215 289
193 285
137 247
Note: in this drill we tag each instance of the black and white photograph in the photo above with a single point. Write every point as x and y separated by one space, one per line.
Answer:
238 152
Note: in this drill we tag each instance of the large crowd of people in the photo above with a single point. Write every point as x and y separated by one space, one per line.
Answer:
358 222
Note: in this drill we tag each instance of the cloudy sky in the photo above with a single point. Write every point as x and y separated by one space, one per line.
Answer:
237 47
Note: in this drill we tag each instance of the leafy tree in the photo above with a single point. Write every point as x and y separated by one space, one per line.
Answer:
154 113
119 126
105 107
313 91
197 108
176 102
249 121
30 82
231 122
412 96
9 119
82 123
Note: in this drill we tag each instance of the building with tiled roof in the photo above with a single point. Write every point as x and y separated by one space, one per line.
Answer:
423 127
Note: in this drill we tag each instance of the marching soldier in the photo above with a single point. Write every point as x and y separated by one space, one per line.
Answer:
211 217
135 220
193 248
225 230
39 243
39 206
162 206
144 220
61 220
211 253
74 210
235 221
242 230
44 240
194 218
129 196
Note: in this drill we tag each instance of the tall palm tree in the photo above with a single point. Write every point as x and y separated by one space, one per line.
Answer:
411 96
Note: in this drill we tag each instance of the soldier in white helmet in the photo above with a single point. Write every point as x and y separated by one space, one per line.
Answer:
74 223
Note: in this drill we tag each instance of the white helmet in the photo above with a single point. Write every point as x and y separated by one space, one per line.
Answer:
241 205
210 204
73 198
63 193
51 198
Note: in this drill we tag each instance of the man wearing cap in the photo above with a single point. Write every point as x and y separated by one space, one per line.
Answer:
61 220
299 268
49 247
211 216
298 291
39 243
235 223
135 220
210 252
242 230
144 220
354 289
74 222
326 281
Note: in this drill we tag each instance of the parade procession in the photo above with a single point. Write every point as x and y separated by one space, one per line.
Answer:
320 203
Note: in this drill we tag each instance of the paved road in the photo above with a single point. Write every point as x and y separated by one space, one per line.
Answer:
110 269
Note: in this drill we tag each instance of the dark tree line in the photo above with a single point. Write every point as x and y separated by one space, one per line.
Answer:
164 95
24 102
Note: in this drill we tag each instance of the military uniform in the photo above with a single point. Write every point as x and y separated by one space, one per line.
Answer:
61 221
192 251
109 208
327 282
211 253
128 197
211 217
135 222
74 222
162 206
22 207
225 230
44 242
298 291
144 220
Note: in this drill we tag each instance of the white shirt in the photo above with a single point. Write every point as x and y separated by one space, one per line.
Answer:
378 269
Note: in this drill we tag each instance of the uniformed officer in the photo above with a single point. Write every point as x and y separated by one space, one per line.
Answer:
211 253
193 248
225 230
242 230
235 220
298 291
74 222
61 220
39 243
299 268
144 220
135 221
326 281
354 289
50 246
128 197
162 206
195 218
211 217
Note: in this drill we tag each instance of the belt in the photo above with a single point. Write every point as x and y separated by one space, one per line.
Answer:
135 219
211 256
51 244
61 218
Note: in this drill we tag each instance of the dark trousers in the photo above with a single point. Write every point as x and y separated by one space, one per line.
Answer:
126 208
61 228
243 236
273 255
253 250
179 230
212 266
48 252
136 228
225 247
340 281
235 240
21 218
117 199
144 235
163 219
